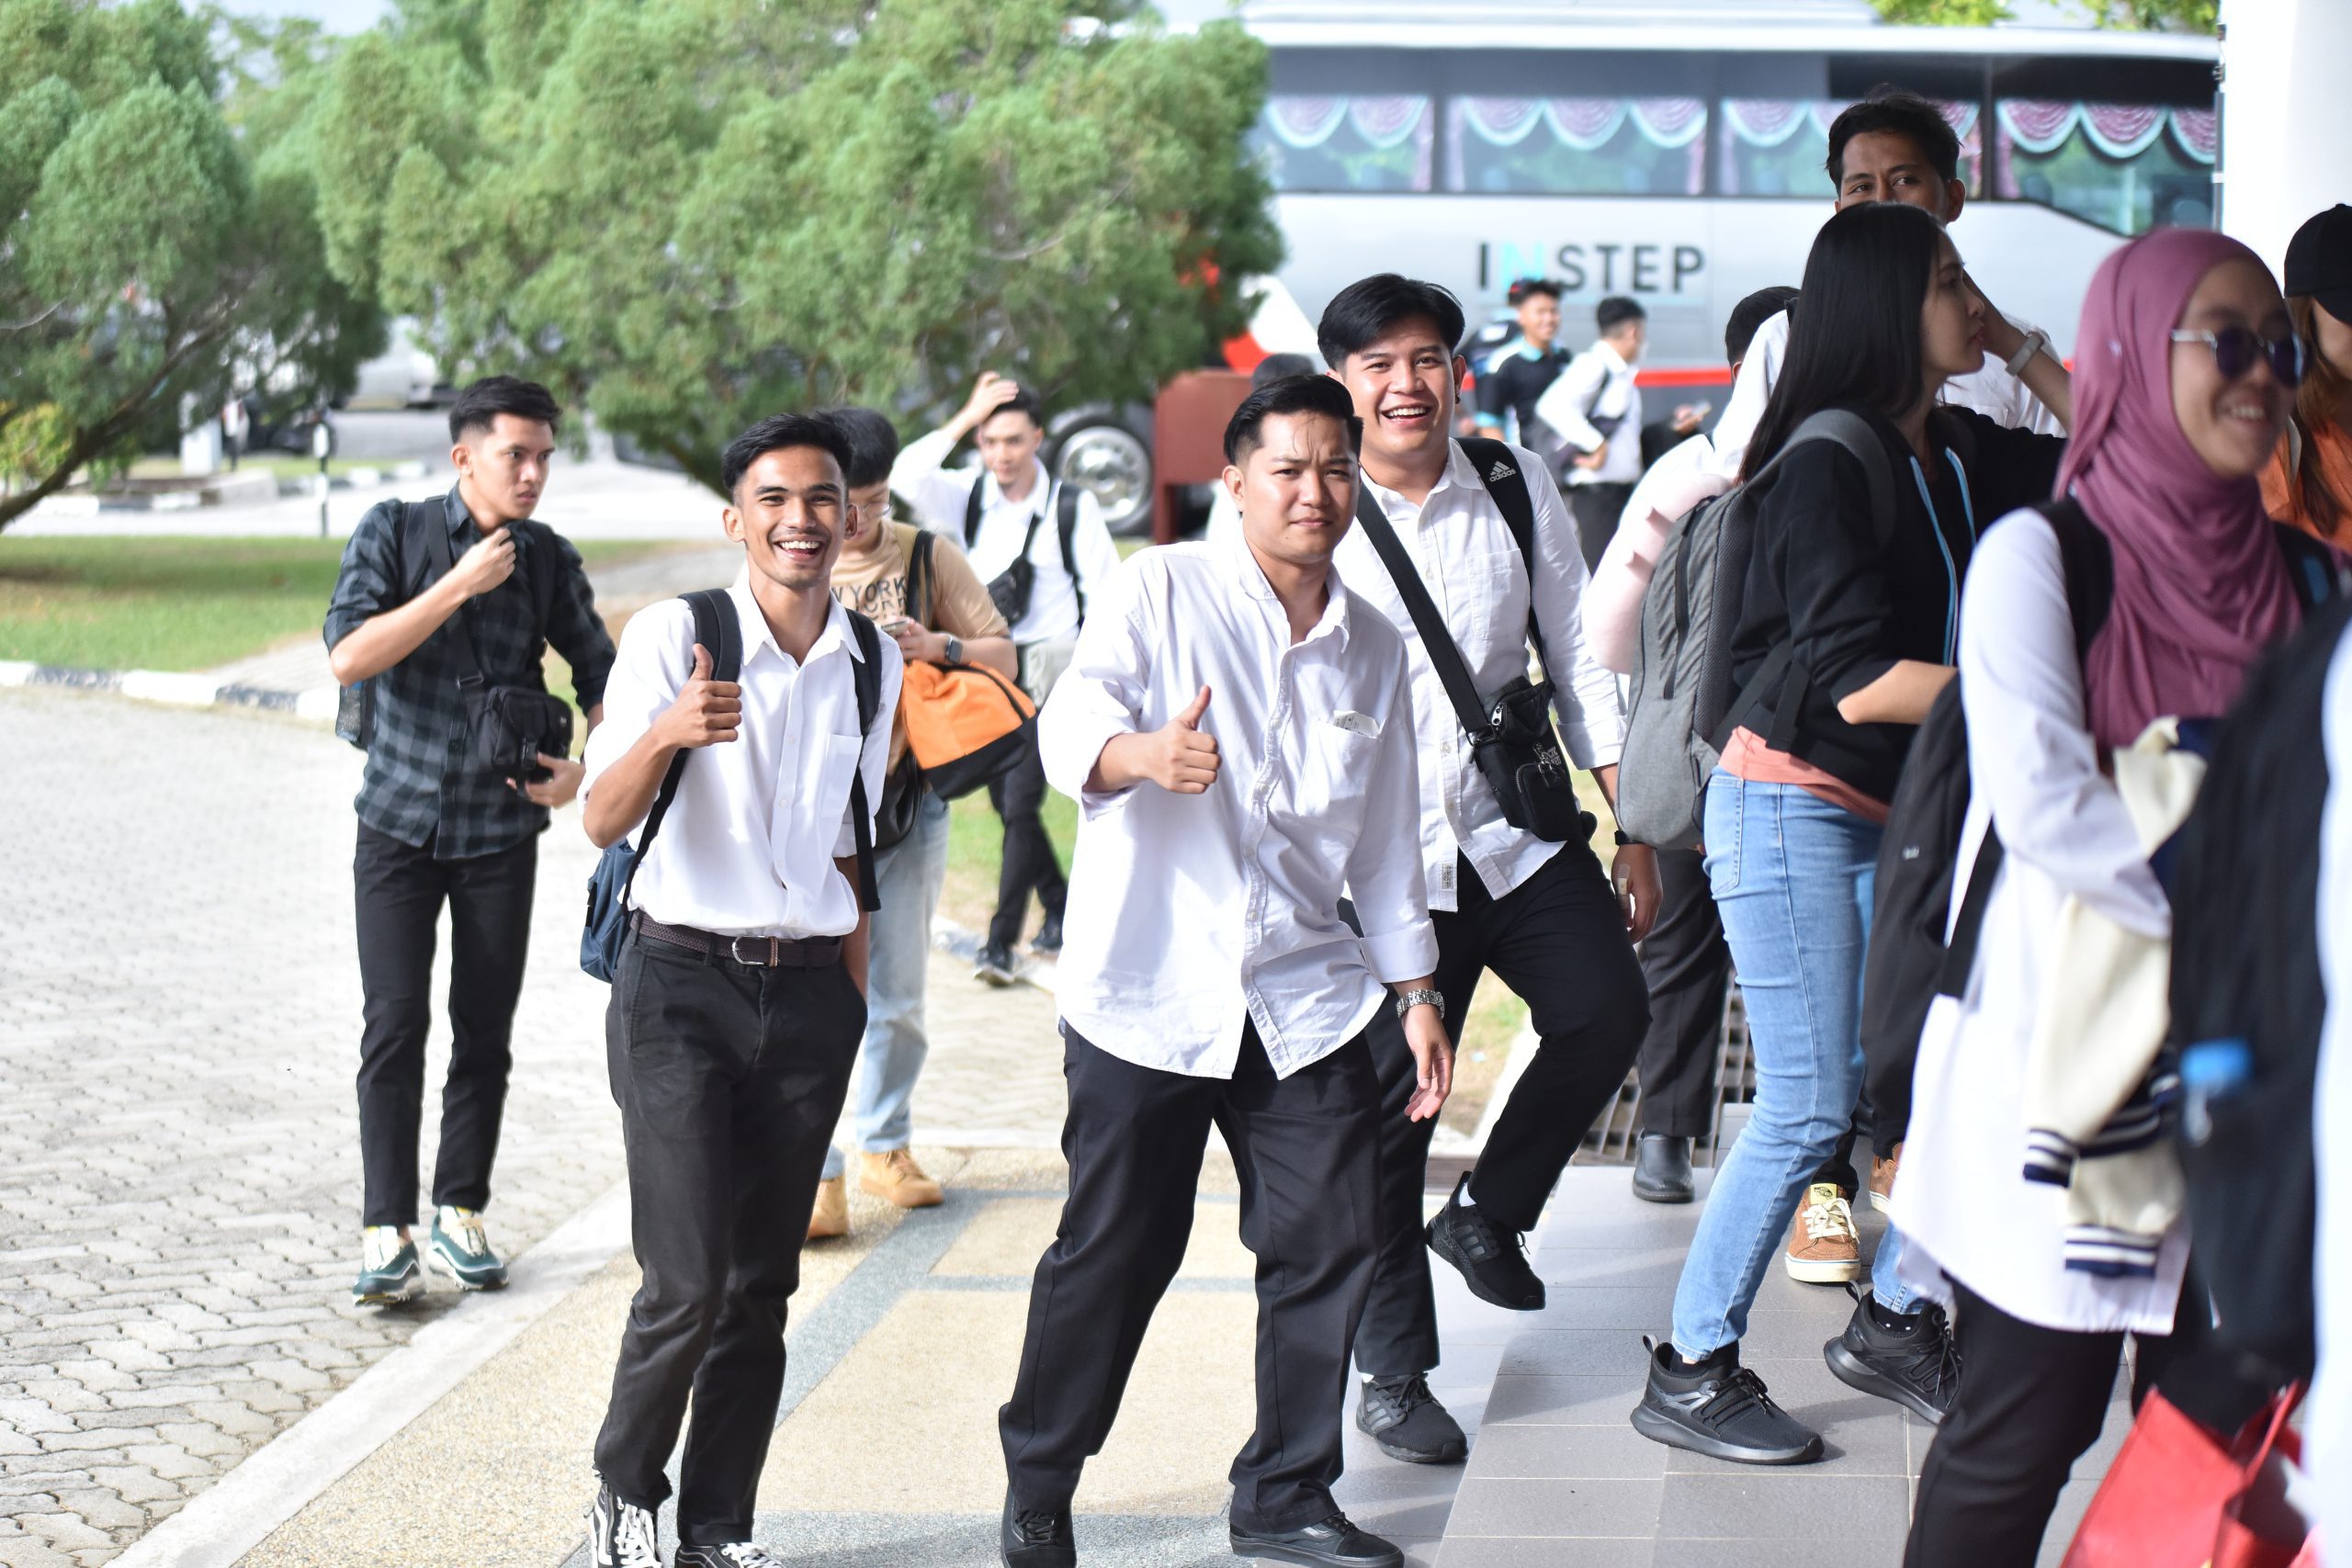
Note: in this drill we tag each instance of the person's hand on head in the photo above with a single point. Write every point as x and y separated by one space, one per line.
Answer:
989 393
487 563
706 712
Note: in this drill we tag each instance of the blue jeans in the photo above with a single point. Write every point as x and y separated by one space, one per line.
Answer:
1792 875
908 877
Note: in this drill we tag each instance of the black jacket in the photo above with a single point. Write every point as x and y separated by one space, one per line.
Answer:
1856 594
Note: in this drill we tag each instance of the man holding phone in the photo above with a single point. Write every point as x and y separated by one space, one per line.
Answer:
435 827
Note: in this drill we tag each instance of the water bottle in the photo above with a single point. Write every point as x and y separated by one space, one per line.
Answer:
2210 1070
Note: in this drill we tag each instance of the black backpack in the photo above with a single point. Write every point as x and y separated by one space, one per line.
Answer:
2246 970
1010 589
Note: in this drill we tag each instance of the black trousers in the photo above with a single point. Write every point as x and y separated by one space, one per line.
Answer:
399 890
1596 508
1029 864
1306 1150
2031 1403
1558 942
1687 966
730 1080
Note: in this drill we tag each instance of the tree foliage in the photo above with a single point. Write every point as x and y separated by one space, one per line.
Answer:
153 252
2153 15
689 213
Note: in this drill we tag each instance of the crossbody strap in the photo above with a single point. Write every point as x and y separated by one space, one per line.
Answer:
1066 528
972 509
717 629
1437 641
470 671
868 681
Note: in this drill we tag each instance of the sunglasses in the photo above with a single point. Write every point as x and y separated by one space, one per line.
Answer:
2236 350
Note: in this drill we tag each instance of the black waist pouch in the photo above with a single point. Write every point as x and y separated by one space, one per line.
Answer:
508 726
1520 754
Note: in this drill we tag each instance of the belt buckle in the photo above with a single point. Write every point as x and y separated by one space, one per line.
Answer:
735 950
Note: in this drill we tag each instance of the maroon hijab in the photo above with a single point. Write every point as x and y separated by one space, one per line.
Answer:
2201 588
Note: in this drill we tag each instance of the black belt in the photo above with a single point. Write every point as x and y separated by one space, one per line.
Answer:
751 951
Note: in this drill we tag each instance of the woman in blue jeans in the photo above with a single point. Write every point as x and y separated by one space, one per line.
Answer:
1849 608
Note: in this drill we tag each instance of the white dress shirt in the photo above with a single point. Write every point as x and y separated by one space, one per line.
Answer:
1193 914
748 846
941 494
1963 1203
1989 388
1598 379
1471 566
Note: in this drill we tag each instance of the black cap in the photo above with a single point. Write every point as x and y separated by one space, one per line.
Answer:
2319 262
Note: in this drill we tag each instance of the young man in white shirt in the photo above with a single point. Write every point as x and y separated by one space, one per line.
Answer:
1597 408
740 998
1543 915
1238 730
1007 512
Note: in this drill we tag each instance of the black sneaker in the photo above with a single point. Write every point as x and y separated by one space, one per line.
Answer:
733 1554
1334 1543
1492 1261
1719 1408
995 965
621 1535
1662 1169
1908 1358
1406 1421
1035 1537
1048 939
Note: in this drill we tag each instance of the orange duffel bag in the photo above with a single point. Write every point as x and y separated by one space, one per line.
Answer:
965 726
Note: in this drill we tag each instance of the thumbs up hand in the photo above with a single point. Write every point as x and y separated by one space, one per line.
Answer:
706 712
1181 759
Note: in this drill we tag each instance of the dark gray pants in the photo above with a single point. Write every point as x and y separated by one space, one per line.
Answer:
730 1080
1687 966
1305 1148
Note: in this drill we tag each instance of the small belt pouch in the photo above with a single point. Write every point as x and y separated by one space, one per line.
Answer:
1520 755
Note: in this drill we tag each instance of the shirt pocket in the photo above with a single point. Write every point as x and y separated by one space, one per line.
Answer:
1334 777
837 774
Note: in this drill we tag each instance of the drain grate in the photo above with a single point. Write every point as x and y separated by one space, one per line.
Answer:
1610 1140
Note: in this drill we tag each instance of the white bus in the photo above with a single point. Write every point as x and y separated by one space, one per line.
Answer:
1673 150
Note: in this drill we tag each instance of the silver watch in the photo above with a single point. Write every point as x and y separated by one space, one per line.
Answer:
1423 997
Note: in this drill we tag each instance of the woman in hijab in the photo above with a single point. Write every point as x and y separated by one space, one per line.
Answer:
2186 371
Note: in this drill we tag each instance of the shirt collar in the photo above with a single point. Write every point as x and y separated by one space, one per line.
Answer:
1236 561
464 531
1457 474
992 493
755 629
1608 355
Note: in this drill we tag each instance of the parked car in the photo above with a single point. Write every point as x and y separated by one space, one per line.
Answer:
1105 448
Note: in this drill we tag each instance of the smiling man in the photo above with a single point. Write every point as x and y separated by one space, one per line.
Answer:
740 995
1237 729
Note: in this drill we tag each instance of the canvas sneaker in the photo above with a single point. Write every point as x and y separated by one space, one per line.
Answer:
462 1247
829 1216
621 1534
1823 1247
894 1177
389 1271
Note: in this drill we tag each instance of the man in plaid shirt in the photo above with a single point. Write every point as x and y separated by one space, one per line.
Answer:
434 828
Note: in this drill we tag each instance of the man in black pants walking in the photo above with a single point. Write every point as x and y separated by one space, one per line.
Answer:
1209 980
740 995
1542 915
434 828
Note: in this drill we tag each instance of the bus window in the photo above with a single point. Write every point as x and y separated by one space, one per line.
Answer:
1361 143
1781 146
2126 167
1578 146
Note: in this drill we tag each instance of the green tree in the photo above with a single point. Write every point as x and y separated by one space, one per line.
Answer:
159 239
2153 16
689 213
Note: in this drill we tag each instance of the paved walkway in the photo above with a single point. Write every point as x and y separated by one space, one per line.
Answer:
178 1164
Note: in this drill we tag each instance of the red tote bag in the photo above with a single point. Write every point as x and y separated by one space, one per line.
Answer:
2180 1496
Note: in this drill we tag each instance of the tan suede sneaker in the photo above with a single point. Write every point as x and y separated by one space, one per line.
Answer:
829 1218
894 1176
1823 1247
1883 1180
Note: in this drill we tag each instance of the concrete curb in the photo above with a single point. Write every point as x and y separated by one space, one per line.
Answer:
174 689
280 1480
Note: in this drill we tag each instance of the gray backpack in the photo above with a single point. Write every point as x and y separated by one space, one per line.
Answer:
1684 708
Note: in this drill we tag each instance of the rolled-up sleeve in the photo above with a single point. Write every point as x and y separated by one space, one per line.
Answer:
873 757
574 628
922 476
1101 695
1384 877
369 581
1592 713
1563 401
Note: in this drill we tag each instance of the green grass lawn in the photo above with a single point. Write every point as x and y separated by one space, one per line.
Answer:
130 602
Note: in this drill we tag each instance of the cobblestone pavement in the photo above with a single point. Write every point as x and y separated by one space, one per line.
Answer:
178 1162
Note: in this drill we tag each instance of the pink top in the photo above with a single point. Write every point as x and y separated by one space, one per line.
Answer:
1612 599
1747 757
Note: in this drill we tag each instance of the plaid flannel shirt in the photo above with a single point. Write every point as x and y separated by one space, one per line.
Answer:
418 786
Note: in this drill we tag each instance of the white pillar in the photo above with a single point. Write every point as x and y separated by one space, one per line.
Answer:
2286 117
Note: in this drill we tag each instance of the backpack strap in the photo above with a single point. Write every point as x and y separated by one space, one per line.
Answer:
972 508
919 575
718 631
1066 526
2312 567
1494 464
868 679
443 558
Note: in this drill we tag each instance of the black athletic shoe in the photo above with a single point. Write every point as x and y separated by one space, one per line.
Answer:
1048 939
1491 1260
733 1554
1719 1408
621 1535
1406 1421
1908 1358
1662 1168
1035 1537
995 965
1334 1543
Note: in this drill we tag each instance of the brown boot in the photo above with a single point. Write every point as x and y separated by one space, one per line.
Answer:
829 1218
1823 1247
1883 1180
894 1176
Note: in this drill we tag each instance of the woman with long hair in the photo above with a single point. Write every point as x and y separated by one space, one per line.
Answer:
2186 366
1848 632
2308 482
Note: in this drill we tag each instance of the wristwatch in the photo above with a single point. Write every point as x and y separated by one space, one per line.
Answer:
1423 997
2035 342
954 648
